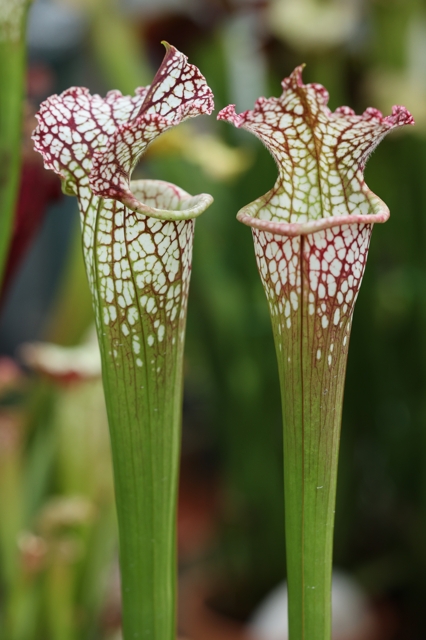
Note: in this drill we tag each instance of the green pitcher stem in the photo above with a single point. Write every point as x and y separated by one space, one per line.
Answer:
141 315
311 308
311 450
145 421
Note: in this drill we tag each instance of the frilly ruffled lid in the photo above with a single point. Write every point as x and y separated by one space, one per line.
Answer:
94 143
320 156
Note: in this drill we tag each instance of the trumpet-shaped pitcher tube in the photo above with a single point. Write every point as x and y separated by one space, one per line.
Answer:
311 233
137 244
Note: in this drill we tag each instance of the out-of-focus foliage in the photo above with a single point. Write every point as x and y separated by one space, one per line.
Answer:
56 496
13 15
367 53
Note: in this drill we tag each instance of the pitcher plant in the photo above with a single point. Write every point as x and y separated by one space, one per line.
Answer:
311 234
137 245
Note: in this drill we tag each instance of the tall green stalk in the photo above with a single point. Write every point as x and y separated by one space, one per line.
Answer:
137 244
311 233
13 15
143 389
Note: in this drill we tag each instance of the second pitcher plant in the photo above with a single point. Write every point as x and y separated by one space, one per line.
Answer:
311 233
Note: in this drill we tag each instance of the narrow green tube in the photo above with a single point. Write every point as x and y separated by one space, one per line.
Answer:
143 383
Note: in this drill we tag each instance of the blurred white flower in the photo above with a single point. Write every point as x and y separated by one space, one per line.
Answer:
351 617
313 24
64 363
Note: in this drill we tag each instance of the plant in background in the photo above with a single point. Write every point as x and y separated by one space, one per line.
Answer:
311 233
12 77
78 412
137 244
74 575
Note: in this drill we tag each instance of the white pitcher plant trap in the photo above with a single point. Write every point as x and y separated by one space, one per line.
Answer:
311 233
137 244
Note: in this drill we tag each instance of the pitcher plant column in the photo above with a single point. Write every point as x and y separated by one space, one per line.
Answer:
137 244
311 234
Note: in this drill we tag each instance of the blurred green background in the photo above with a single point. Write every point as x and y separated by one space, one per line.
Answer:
58 566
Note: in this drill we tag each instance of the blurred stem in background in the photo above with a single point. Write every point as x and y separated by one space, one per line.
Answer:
117 47
11 519
72 310
77 524
12 82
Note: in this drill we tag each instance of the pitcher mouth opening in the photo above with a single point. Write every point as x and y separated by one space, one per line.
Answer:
250 216
164 200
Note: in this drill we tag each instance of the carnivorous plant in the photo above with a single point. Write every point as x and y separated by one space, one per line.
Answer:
311 234
137 244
